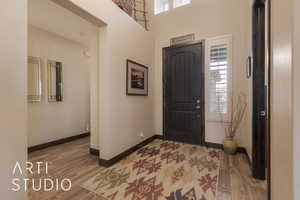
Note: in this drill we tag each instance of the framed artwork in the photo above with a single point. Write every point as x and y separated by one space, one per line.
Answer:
137 79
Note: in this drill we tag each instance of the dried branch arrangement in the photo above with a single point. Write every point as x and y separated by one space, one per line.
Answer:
238 111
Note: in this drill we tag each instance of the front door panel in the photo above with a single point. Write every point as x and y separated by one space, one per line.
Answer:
184 94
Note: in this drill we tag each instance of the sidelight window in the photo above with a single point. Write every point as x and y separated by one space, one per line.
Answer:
166 5
178 3
218 65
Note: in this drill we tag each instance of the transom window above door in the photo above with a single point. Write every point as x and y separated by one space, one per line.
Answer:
178 3
165 5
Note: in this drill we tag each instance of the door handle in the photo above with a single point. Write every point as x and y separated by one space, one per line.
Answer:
249 67
263 113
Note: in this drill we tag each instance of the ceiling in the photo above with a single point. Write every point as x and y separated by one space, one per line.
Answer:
51 17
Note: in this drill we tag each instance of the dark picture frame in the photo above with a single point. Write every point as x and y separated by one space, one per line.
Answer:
136 79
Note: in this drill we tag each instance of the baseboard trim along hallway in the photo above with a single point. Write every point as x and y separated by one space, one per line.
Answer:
117 158
242 150
94 152
57 142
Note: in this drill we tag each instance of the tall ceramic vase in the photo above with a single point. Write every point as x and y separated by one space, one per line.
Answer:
230 146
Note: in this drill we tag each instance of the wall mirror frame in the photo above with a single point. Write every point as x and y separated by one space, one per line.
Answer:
34 79
55 81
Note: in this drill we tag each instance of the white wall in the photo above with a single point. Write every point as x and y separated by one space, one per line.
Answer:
207 18
281 101
93 50
121 118
13 107
296 109
77 29
49 121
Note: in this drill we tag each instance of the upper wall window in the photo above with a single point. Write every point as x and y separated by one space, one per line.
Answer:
178 3
165 5
161 6
219 77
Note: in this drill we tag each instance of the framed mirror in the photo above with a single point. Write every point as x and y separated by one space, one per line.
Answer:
55 82
34 80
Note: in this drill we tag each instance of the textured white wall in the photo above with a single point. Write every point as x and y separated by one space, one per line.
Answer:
296 109
207 18
281 101
49 121
93 50
13 81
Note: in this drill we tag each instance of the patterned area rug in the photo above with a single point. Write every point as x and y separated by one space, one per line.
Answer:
162 170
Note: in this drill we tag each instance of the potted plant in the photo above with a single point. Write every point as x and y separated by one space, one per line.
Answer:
231 125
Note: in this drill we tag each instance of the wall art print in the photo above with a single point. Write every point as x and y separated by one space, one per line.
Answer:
137 79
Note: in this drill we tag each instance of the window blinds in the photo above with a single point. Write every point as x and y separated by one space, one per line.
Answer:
218 71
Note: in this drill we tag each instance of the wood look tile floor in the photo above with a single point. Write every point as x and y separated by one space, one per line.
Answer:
72 160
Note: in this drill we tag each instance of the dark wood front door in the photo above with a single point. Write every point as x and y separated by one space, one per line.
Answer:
184 93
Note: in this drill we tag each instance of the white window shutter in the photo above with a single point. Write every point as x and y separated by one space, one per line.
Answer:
218 77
